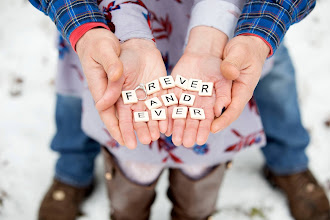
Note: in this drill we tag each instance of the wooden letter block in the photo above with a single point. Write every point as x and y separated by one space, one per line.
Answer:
179 112
181 82
194 85
129 97
206 89
197 113
158 114
187 99
141 116
169 99
152 87
153 103
167 82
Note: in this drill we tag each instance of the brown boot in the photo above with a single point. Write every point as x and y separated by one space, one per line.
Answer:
62 201
194 199
128 200
307 199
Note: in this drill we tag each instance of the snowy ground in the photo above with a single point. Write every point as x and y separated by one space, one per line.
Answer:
28 63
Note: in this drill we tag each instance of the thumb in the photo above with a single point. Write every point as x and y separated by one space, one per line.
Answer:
235 58
110 62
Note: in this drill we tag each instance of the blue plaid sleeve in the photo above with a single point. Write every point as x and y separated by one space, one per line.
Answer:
70 14
270 19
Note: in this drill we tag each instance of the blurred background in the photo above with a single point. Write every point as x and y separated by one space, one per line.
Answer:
28 59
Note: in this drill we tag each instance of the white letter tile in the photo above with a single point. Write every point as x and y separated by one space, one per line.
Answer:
129 97
206 89
153 103
152 87
158 114
187 99
197 113
141 116
194 85
179 112
181 82
167 82
169 99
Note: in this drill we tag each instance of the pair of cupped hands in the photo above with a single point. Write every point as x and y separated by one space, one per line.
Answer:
110 68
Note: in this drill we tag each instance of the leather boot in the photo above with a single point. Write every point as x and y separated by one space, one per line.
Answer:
128 200
194 199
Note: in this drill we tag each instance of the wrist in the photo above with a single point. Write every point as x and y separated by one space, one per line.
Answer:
203 39
260 44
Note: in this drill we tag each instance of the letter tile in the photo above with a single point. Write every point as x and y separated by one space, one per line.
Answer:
153 103
179 112
181 82
152 87
141 116
167 82
158 114
187 99
169 99
194 85
206 89
129 97
197 113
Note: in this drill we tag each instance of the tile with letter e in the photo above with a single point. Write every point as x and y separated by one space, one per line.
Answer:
194 85
179 112
152 87
181 82
167 82
206 89
197 113
141 116
187 99
169 99
158 114
129 97
153 103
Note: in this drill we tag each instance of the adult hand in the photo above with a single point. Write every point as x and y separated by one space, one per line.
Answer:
201 60
142 63
98 50
244 57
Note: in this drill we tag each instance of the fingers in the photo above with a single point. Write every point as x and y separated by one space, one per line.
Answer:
141 128
126 124
241 94
178 131
111 122
190 132
205 127
223 96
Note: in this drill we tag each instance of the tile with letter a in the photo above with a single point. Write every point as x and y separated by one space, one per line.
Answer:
129 97
181 82
152 87
169 99
187 99
153 103
194 85
179 112
158 114
206 89
167 82
197 113
141 116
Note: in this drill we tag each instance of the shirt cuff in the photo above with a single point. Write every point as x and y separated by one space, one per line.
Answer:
271 52
81 30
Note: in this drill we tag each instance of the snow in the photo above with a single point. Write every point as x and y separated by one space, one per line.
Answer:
27 52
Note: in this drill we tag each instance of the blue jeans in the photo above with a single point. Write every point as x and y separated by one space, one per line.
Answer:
75 165
276 97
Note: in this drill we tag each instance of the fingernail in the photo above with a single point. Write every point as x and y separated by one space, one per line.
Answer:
223 110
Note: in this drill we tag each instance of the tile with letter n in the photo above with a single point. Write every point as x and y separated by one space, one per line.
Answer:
179 112
153 103
129 97
169 99
187 99
158 114
197 113
141 116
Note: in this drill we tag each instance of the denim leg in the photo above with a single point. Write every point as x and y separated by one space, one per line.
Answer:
75 164
276 97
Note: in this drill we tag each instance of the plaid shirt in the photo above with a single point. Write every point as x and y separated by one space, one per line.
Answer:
270 19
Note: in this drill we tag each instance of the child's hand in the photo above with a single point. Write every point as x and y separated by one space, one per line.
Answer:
201 60
142 63
244 57
98 51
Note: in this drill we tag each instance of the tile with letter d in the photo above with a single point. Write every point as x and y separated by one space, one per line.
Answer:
187 99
